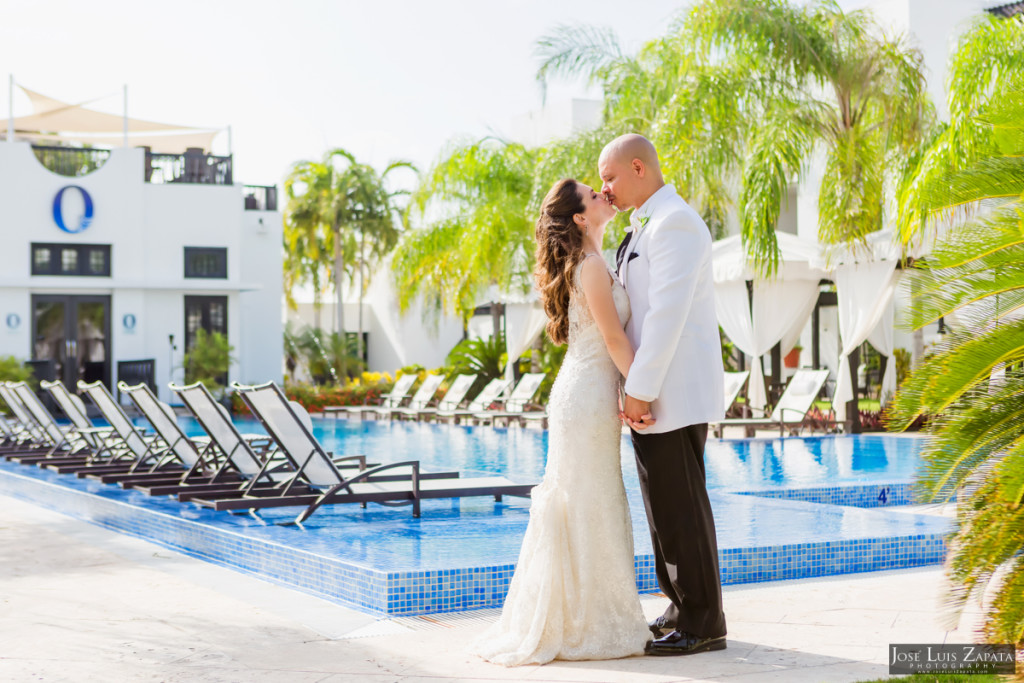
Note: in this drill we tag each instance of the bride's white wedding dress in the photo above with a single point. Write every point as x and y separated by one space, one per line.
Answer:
573 595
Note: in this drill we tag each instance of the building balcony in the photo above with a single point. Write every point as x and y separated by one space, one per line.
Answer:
260 197
193 167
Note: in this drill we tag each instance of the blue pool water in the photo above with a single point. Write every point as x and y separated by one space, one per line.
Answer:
520 454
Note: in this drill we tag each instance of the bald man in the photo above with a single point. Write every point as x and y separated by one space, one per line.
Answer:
674 389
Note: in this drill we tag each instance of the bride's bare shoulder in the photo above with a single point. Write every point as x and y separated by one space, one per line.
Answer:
594 271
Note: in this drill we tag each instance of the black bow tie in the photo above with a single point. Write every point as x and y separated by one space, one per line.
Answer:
620 253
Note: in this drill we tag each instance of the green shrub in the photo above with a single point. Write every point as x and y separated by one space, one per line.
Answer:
208 361
14 370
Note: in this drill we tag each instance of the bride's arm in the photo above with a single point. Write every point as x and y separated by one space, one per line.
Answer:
597 287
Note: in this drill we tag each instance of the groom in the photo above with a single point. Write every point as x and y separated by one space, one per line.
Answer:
675 387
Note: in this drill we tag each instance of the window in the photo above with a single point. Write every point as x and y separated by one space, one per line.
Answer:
206 262
90 260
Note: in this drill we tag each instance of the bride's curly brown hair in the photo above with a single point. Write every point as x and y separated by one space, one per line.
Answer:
559 251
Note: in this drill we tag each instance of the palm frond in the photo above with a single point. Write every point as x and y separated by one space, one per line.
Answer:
576 51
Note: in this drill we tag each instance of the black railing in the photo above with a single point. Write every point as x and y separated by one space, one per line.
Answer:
71 161
260 197
194 166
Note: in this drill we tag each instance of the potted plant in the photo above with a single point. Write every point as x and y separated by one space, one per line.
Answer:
792 359
208 361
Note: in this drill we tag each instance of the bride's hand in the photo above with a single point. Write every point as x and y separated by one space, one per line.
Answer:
637 413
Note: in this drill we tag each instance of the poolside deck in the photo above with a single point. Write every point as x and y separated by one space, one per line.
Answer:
83 603
460 555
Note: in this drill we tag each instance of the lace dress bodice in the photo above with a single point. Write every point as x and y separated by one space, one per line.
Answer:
585 340
573 595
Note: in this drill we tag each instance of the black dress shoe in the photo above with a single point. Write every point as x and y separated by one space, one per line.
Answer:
682 643
659 627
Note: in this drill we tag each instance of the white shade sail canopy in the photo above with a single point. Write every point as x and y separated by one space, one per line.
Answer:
55 122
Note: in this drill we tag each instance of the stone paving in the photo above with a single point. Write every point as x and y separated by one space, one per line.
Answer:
80 603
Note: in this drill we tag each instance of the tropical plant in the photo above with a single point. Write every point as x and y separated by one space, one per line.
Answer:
14 370
743 92
340 218
482 357
476 229
972 386
329 357
209 360
990 52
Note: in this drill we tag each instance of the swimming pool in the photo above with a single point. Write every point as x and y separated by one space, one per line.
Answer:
460 554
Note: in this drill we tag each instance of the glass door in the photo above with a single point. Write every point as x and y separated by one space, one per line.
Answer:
72 334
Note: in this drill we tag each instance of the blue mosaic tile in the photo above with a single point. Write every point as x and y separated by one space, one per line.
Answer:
461 554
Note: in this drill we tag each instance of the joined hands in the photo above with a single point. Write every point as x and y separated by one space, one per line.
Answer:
636 414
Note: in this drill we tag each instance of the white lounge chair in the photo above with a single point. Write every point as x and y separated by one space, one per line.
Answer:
488 395
789 412
419 400
392 399
515 405
319 481
452 400
734 382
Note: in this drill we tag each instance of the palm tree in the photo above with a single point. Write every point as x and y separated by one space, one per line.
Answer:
742 93
340 218
972 386
476 231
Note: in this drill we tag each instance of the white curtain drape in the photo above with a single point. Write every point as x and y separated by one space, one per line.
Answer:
732 305
882 339
864 291
523 322
779 307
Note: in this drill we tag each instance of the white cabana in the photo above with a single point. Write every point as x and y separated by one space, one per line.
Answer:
779 308
865 275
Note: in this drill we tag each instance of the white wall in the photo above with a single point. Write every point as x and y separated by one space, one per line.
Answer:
556 119
147 226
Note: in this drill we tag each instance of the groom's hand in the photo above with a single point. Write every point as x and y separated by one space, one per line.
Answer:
637 413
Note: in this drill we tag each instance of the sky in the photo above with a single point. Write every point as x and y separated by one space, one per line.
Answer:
385 79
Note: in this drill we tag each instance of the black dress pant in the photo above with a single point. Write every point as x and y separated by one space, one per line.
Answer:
672 480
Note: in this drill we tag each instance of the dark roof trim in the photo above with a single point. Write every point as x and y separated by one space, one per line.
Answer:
1007 10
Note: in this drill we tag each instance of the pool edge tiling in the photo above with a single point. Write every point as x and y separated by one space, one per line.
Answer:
915 540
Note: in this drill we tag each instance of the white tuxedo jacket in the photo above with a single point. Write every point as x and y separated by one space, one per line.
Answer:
673 327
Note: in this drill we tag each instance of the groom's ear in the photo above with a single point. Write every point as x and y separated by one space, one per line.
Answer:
638 168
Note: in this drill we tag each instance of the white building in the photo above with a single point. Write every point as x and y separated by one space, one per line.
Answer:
126 262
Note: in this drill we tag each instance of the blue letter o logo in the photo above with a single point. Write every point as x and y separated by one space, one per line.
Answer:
58 215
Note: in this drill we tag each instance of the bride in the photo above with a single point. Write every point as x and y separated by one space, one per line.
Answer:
573 595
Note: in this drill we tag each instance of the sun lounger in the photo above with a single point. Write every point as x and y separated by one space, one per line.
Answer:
515 405
60 443
330 486
134 452
734 383
487 396
23 425
790 411
392 399
252 457
419 400
452 400
197 457
74 410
